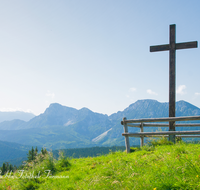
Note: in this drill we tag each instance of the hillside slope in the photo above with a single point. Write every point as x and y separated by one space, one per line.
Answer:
150 168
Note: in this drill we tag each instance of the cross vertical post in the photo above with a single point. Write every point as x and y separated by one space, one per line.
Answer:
172 80
172 47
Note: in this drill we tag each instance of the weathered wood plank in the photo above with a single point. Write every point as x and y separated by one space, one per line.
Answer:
172 80
167 125
164 119
155 125
134 125
159 48
126 137
183 136
160 133
142 137
187 45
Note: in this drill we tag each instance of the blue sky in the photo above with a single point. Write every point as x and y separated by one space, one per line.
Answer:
95 54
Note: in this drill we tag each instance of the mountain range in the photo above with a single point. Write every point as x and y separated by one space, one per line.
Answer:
11 115
61 127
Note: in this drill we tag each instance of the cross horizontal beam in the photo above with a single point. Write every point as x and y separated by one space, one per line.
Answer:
186 45
159 48
166 47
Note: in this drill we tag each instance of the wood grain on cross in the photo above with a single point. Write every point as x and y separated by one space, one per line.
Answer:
172 47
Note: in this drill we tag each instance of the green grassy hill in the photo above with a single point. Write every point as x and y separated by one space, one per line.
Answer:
155 167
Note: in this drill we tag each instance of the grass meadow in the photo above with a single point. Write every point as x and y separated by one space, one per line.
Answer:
156 166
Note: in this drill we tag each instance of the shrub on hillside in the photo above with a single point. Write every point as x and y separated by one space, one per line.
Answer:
160 141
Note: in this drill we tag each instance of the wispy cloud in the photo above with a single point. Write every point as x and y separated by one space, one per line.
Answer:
197 94
50 94
149 91
132 89
181 89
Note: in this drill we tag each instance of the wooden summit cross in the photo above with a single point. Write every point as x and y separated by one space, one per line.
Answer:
172 47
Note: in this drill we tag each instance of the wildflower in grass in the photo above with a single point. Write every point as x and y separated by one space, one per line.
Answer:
197 176
154 188
115 182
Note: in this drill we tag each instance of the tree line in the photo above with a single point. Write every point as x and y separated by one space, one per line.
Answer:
75 153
